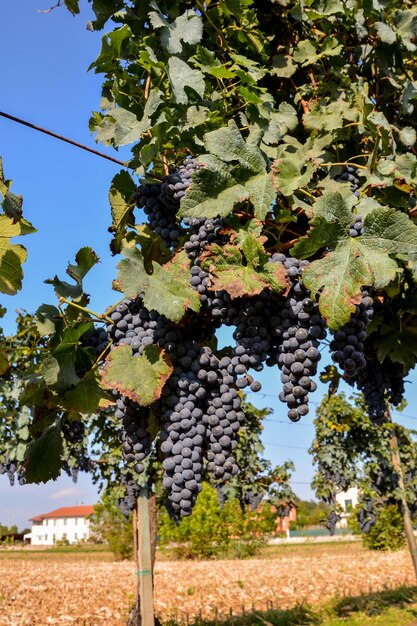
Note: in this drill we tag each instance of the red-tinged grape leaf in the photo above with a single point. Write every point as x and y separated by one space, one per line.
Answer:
141 379
87 396
341 273
227 271
167 289
43 456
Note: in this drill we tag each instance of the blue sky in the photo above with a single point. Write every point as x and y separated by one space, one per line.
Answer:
45 80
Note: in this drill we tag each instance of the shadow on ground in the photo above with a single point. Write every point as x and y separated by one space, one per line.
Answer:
369 604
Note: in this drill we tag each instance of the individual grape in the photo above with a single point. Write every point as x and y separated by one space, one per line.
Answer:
347 346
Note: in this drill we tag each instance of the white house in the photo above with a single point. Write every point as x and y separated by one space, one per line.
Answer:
69 523
347 500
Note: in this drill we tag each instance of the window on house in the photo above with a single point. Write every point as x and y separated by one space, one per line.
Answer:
76 521
65 521
348 505
75 535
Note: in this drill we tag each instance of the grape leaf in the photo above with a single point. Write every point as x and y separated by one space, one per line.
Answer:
350 263
341 273
122 207
289 174
4 362
228 145
12 256
48 320
141 379
227 271
85 259
220 185
181 75
167 289
87 396
43 456
187 27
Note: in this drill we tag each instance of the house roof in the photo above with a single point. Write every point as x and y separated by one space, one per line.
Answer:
65 511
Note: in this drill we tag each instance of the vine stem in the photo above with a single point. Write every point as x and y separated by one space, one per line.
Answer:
61 138
88 311
405 511
360 167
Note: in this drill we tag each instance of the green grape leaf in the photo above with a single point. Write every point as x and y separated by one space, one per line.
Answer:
341 273
48 320
85 259
399 345
140 379
4 362
167 289
234 172
227 271
228 145
58 366
283 66
289 174
122 207
182 76
352 263
214 191
187 28
43 456
87 396
12 256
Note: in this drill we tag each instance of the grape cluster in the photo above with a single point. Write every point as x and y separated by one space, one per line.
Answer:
135 438
366 515
76 462
73 430
203 233
332 519
175 185
350 175
299 326
380 383
12 470
96 339
162 219
161 201
347 346
127 502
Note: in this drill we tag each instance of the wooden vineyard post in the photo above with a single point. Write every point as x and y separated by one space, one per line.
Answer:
405 511
143 558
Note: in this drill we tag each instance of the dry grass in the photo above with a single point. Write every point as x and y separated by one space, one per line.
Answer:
92 592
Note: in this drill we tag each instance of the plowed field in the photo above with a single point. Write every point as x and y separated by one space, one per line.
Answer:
56 589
